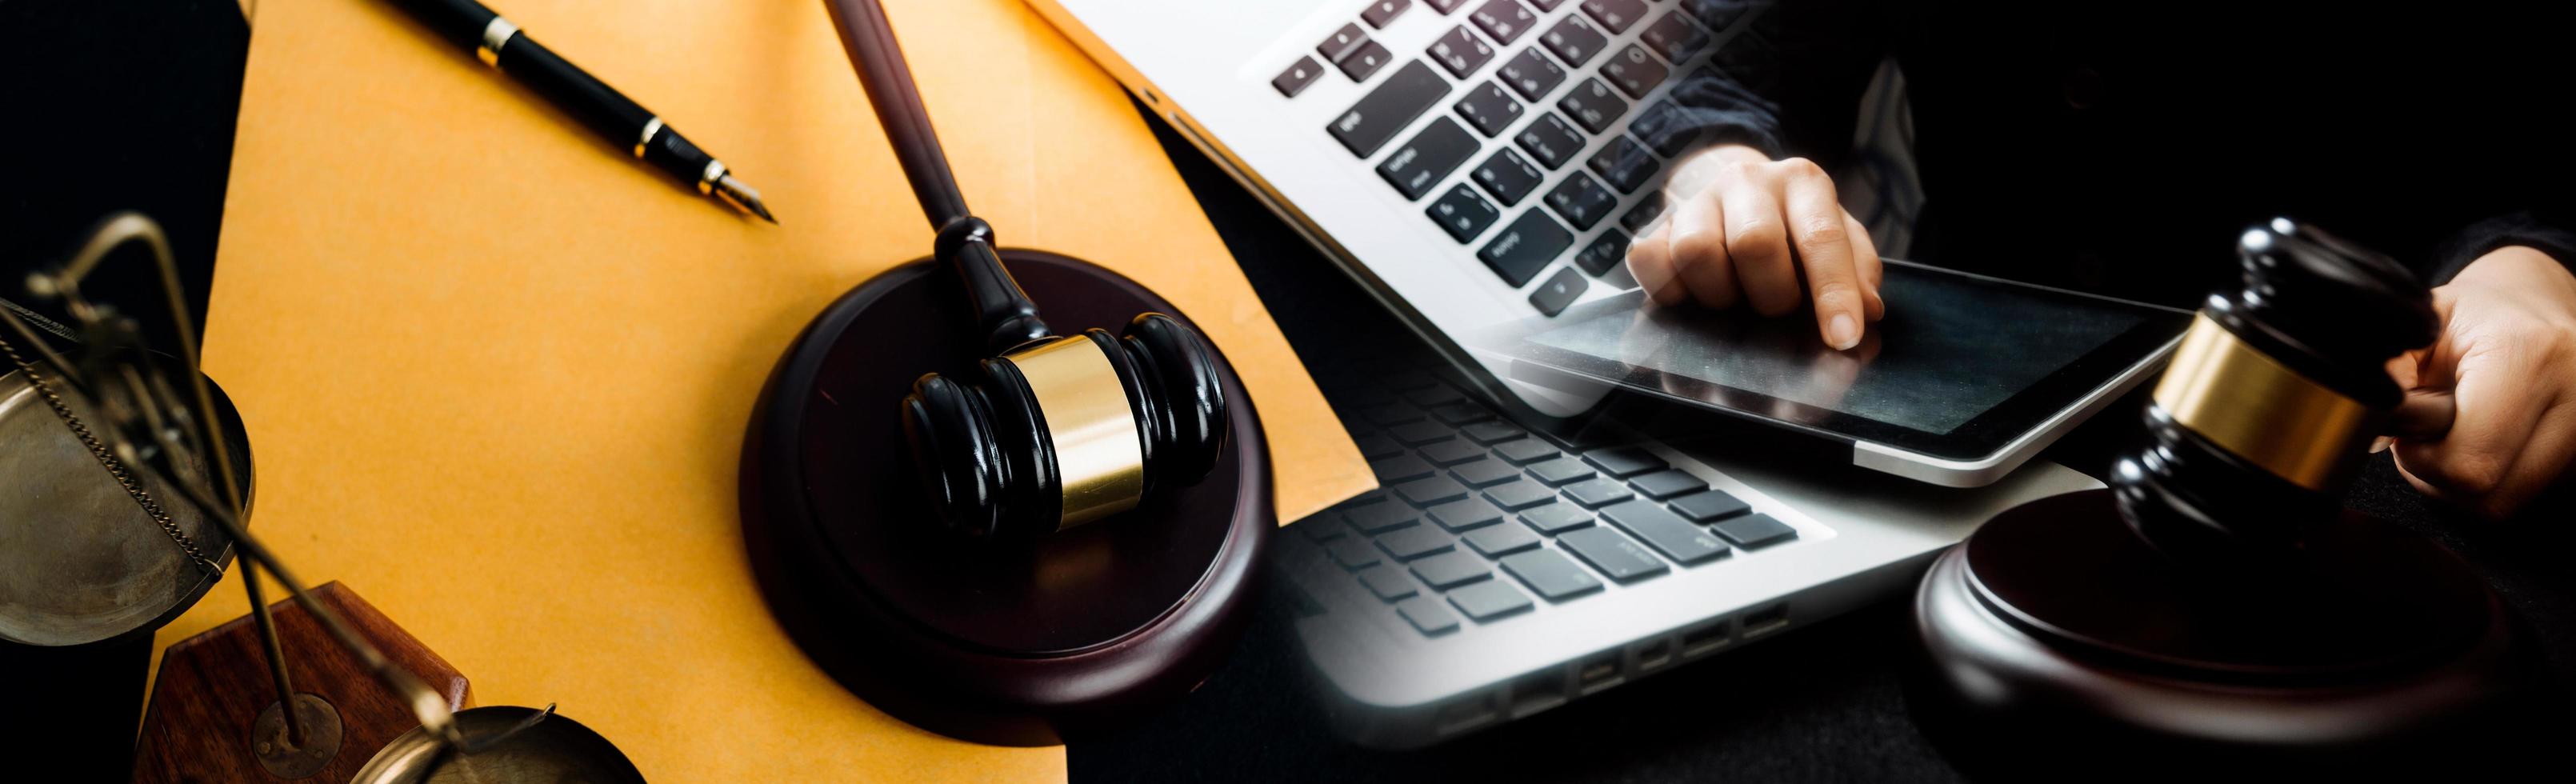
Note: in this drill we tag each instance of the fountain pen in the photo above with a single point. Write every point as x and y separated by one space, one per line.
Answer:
503 46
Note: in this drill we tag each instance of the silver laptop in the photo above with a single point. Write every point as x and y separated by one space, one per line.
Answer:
1478 164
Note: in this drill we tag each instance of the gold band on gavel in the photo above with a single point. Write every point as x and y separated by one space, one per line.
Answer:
1099 454
2257 409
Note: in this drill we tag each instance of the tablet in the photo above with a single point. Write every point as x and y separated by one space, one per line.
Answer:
1965 378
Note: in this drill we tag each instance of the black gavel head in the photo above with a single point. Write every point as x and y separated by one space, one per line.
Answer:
2272 397
1063 431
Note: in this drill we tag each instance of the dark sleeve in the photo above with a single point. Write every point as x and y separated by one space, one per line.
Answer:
1786 79
2550 230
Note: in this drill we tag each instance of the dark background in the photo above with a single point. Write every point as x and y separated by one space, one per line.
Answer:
126 104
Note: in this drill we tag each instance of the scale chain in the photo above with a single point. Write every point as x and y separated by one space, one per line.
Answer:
107 459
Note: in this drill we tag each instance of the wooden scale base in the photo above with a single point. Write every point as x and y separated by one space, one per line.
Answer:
213 710
1025 645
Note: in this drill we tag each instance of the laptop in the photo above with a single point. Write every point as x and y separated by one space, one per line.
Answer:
1479 165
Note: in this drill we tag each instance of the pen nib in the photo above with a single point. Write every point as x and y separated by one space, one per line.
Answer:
744 197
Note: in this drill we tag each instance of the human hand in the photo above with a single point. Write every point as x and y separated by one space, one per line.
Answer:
1739 225
2507 359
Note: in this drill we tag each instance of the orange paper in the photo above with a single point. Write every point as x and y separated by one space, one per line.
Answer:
497 373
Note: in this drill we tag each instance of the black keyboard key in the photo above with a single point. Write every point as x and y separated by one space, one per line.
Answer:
1342 43
1434 396
1492 432
1581 201
1364 63
1488 601
1597 492
1611 554
1484 473
1717 14
1377 445
1419 433
1531 74
1605 252
1450 570
1430 156
1573 40
1353 552
1523 248
1516 496
1550 139
1592 105
1392 414
1381 517
1380 12
1406 544
1560 290
1674 37
1500 540
1755 531
1545 6
1625 461
1299 74
1462 213
1711 505
1466 514
1634 72
1663 126
1400 468
1428 614
1617 15
1389 583
1676 537
1461 413
1560 471
1646 211
1624 163
1448 453
1374 121
1525 452
1666 484
1431 492
1507 176
1461 52
1554 519
1445 6
1489 109
1505 20
1551 574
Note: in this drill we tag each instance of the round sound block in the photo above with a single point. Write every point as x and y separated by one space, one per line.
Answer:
2054 633
1018 645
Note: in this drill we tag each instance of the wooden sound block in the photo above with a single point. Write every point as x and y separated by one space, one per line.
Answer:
214 686
1016 645
2054 636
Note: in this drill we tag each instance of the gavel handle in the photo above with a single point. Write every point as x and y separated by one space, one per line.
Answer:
2425 415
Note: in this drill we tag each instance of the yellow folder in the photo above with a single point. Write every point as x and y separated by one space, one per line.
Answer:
496 373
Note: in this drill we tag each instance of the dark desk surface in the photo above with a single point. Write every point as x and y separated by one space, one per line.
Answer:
1822 703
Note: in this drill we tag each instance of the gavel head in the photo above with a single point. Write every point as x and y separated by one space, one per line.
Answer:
2272 398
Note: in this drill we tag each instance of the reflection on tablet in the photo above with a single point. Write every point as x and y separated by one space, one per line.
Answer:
1950 349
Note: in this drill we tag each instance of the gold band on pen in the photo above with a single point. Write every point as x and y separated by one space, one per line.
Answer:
707 179
652 126
1099 453
496 34
2258 409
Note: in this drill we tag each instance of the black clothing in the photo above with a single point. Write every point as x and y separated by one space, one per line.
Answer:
2121 147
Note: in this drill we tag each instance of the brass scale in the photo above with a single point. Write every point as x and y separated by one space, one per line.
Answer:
88 554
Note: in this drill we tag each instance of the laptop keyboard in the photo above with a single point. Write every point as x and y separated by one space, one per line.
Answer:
1480 520
1525 88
